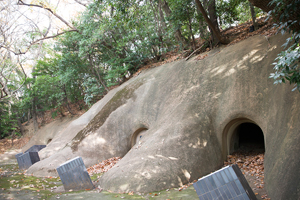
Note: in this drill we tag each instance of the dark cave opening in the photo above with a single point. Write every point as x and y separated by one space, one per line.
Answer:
49 140
249 137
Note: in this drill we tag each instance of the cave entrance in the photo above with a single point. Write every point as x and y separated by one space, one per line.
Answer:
247 137
242 134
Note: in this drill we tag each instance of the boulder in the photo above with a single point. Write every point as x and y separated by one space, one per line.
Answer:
176 123
50 134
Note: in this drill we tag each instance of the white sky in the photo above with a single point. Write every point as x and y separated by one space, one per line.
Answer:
19 21
67 9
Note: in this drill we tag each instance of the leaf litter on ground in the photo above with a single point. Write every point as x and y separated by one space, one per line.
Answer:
252 164
103 166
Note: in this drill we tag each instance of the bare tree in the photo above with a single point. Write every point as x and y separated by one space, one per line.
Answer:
24 26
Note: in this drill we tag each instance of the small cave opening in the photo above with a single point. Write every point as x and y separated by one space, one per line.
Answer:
49 140
248 137
138 136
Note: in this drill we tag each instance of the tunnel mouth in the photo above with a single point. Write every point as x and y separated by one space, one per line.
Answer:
247 137
242 134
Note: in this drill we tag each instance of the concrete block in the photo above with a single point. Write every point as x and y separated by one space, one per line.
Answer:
19 154
74 175
35 148
27 159
227 183
17 157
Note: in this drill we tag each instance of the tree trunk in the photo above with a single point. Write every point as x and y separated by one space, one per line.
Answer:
179 37
253 14
163 23
211 25
28 115
20 124
266 7
161 15
191 31
34 113
42 116
155 9
99 79
67 100
3 88
262 4
12 138
202 25
213 17
61 111
34 116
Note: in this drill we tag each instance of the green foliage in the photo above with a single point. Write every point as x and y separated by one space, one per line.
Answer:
91 90
9 107
114 39
229 11
287 65
120 40
56 82
8 120
234 11
244 13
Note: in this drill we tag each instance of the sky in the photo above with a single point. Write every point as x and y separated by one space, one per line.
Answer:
21 22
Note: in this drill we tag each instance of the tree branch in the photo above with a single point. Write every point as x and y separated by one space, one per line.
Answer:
195 51
20 2
216 32
6 96
83 4
3 91
35 42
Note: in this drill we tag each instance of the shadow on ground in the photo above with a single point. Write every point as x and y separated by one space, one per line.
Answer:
15 185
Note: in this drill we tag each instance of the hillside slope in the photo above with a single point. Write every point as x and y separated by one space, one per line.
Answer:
175 123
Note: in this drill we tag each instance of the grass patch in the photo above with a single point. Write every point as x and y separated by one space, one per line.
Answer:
14 182
13 179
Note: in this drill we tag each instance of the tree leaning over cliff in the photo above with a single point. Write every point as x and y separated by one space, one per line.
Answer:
209 22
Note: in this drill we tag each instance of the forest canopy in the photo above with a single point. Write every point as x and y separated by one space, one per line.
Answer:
78 62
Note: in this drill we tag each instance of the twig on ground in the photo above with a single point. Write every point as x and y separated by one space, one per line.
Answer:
194 52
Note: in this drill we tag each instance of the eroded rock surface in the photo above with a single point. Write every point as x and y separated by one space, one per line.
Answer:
187 111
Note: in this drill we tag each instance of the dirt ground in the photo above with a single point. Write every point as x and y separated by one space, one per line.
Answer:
251 164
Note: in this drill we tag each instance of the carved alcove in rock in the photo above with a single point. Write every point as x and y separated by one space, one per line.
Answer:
243 134
137 136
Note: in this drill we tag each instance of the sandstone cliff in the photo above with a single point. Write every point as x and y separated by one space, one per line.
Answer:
183 116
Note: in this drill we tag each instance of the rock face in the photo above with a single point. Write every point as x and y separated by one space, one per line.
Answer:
184 117
50 133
